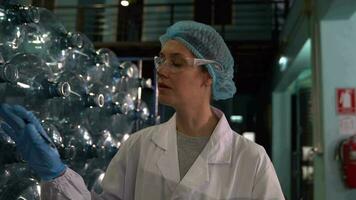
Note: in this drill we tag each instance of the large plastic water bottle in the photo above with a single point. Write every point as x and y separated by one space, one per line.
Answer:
31 74
34 40
129 69
106 146
80 93
18 23
122 103
18 15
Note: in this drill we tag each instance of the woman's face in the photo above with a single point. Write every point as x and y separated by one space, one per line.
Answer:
179 82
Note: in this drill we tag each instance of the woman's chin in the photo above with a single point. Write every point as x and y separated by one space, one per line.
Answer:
162 99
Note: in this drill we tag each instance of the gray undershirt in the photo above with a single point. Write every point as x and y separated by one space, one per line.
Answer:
189 149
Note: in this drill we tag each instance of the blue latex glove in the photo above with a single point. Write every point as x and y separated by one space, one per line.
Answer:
32 142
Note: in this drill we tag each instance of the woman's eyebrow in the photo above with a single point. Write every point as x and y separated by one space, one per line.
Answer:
171 54
176 56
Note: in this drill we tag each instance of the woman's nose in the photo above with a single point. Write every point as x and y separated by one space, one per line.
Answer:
162 72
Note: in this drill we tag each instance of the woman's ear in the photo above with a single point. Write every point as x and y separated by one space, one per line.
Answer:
208 81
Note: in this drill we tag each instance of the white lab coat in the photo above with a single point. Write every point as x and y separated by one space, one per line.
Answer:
230 167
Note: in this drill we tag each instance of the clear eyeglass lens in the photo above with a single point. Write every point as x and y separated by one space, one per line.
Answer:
159 61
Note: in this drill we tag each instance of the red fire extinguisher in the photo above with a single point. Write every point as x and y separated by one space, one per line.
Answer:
348 158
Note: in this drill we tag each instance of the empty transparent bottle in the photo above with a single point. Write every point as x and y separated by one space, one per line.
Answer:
34 40
5 76
95 118
10 36
79 60
17 24
7 3
141 116
2 61
78 142
20 183
122 103
32 75
142 112
104 119
94 174
19 14
8 73
50 21
129 69
78 146
8 153
24 188
131 85
127 81
80 93
121 125
53 109
108 57
106 146
90 66
53 133
61 45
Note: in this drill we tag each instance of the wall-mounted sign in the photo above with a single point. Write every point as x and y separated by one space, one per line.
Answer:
347 125
346 101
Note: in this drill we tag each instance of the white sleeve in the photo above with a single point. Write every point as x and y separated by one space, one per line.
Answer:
69 186
116 185
266 184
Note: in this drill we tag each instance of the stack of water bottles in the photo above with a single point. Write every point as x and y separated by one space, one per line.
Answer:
86 99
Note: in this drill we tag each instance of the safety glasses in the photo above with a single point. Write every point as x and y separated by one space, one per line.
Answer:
179 64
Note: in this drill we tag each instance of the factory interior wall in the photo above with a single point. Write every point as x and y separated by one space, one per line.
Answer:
338 60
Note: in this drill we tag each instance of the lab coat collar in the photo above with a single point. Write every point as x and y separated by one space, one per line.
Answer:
166 131
219 147
168 165
217 150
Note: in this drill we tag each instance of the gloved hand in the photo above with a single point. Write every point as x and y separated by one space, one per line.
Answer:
32 142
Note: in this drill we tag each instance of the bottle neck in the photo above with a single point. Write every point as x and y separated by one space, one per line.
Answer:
95 100
117 109
60 89
8 73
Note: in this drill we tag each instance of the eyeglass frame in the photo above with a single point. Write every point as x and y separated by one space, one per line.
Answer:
196 62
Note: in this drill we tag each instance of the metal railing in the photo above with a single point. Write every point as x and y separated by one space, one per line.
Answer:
137 22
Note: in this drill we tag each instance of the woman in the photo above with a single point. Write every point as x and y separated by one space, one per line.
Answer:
195 155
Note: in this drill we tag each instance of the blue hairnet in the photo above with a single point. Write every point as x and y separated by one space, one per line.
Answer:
205 43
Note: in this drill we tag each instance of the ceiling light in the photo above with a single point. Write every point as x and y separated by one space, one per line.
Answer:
125 3
236 118
283 61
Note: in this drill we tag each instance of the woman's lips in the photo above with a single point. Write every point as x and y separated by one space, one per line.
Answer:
161 85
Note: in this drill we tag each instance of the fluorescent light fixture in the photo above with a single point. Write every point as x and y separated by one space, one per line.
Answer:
125 3
236 118
283 61
249 135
